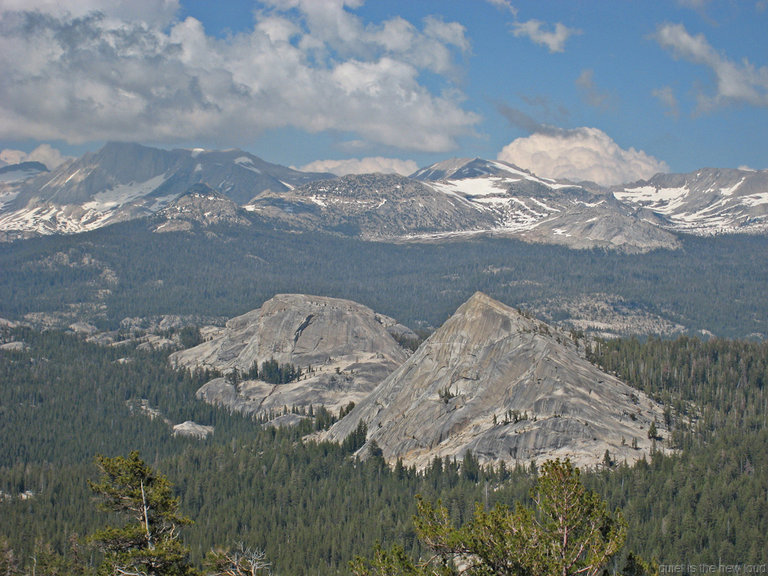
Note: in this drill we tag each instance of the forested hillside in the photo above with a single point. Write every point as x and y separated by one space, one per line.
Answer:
312 507
124 271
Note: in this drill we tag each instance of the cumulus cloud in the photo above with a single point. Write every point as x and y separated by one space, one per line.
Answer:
363 166
580 154
553 39
735 82
81 75
44 153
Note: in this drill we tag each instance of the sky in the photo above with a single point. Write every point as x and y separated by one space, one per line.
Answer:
609 91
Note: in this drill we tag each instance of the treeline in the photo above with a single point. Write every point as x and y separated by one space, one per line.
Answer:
709 385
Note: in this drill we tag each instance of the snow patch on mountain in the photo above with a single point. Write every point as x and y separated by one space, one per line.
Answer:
705 202
124 193
247 163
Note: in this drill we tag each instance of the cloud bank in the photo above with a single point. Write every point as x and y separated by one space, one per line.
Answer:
580 154
131 71
363 166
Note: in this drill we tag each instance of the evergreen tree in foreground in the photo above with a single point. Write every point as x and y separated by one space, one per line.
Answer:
568 532
147 544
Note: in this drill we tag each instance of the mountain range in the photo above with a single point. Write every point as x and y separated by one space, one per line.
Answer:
708 201
456 198
125 181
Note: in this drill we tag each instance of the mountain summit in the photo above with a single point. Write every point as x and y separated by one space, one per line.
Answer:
343 349
123 181
507 388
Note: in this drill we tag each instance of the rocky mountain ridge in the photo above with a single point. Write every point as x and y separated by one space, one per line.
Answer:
706 202
507 388
463 198
491 380
383 207
456 198
19 172
124 181
201 205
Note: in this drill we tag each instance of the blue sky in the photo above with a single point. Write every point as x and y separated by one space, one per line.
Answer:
607 91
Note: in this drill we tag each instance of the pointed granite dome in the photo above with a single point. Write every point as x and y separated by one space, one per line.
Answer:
507 387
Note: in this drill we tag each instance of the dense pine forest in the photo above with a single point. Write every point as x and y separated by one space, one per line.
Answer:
312 507
123 272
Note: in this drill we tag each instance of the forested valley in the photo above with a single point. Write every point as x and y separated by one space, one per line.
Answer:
123 271
312 507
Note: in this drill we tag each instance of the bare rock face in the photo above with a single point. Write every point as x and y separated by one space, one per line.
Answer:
343 349
192 429
200 206
508 388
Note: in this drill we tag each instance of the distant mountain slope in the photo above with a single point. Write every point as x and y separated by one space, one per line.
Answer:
126 181
200 206
708 201
453 199
544 210
344 350
464 198
383 207
508 388
20 172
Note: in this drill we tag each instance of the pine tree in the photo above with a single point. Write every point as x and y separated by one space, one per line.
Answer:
147 544
567 533
652 432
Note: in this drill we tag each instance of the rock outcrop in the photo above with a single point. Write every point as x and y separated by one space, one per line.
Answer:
342 348
192 430
200 206
508 388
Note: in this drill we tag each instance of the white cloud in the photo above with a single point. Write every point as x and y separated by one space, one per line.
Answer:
735 82
535 30
580 154
311 65
158 12
44 153
363 166
554 40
